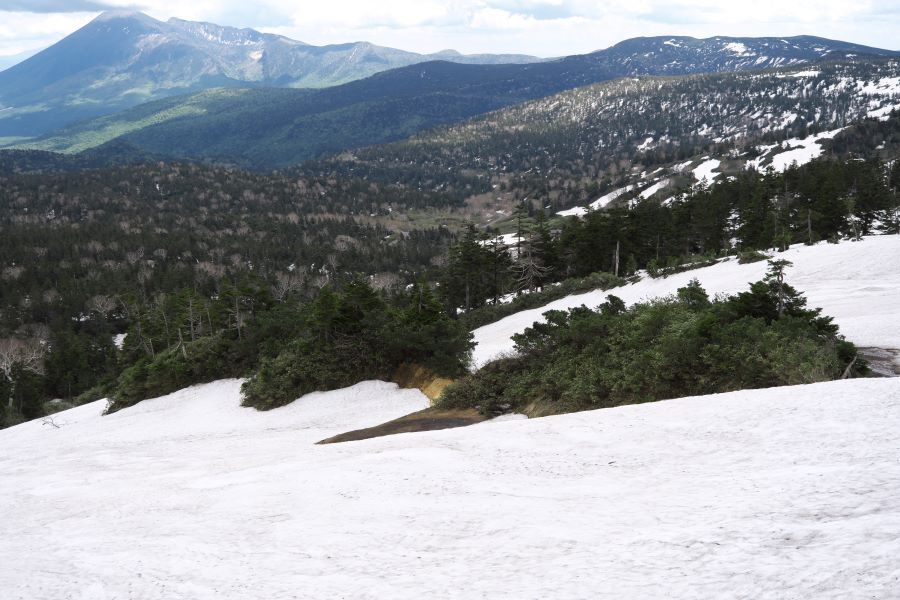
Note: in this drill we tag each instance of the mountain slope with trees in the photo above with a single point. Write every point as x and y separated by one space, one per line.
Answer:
290 127
216 273
211 270
572 147
124 58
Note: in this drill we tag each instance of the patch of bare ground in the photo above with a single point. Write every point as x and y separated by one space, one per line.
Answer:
417 376
430 419
883 362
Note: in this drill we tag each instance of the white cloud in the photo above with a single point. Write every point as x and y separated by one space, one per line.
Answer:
497 18
21 31
356 14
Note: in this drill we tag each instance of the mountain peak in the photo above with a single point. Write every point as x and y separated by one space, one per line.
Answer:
112 15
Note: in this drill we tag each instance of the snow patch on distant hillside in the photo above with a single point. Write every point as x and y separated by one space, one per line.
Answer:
737 48
601 202
883 87
801 151
883 113
705 170
798 74
659 185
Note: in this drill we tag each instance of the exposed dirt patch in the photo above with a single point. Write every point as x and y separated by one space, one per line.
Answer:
415 376
884 362
430 419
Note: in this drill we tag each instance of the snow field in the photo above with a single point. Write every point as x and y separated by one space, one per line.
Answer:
787 492
778 493
857 283
177 497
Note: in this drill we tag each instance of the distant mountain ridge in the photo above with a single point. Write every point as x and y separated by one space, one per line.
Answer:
122 59
276 128
681 55
266 127
643 136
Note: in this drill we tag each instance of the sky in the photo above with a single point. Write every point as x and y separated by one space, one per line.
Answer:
536 27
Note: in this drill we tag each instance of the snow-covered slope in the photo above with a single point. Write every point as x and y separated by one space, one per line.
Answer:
857 283
793 151
781 493
777 493
214 410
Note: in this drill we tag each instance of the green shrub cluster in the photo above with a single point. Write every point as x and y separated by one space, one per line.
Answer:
203 360
678 346
339 338
751 256
354 335
490 313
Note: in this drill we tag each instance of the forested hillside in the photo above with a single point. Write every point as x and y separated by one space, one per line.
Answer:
199 271
86 255
208 270
275 128
160 227
570 148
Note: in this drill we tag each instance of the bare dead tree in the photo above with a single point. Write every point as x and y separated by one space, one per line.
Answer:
331 265
849 368
11 273
102 304
287 283
237 317
529 269
133 256
191 318
384 280
25 354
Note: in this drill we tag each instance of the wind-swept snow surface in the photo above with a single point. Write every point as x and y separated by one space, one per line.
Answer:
780 493
857 283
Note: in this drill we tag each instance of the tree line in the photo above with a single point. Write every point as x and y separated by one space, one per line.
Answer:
209 261
685 345
828 199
